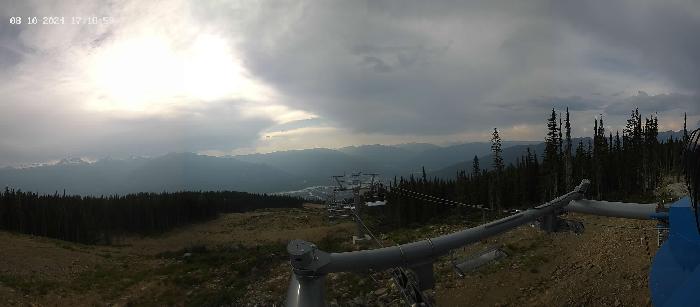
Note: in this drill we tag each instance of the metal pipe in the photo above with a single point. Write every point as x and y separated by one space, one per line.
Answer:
306 291
424 251
613 209
310 264
477 260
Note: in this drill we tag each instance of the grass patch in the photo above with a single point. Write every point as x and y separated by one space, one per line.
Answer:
30 286
348 285
215 276
534 261
520 247
196 276
334 243
493 266
110 282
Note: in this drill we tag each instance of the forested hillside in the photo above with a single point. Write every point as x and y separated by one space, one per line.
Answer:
93 220
622 165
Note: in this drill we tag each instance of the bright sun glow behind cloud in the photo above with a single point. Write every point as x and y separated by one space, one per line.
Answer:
146 73
231 76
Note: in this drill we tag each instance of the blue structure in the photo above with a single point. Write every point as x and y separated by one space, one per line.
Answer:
674 279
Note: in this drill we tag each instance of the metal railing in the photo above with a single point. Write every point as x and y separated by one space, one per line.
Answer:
310 265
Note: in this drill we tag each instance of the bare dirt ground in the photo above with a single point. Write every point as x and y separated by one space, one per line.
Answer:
605 266
240 259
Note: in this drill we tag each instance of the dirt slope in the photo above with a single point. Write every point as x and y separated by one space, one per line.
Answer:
239 259
605 266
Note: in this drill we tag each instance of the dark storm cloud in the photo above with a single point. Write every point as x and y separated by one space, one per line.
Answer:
377 64
614 105
661 35
390 58
661 103
372 71
442 67
574 103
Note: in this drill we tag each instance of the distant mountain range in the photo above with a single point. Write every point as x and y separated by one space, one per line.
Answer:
665 135
316 166
171 172
261 173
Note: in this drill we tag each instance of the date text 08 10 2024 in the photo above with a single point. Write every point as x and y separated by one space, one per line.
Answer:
60 20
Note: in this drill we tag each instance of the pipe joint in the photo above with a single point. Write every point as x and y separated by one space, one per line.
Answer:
306 259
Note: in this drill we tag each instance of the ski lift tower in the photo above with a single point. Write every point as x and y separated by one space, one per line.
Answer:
333 204
340 207
361 235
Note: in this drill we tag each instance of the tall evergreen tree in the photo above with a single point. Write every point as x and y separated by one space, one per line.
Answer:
600 151
559 138
568 167
551 156
497 152
475 167
617 163
632 140
686 137
650 163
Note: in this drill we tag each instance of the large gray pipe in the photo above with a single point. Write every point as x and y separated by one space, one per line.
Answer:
310 264
426 250
613 209
420 252
306 291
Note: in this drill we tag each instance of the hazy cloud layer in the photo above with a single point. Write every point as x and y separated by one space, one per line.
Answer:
238 76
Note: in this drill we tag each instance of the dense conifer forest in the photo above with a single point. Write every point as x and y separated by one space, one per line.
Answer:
622 165
98 220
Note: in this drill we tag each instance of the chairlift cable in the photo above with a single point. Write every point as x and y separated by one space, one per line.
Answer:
433 199
448 201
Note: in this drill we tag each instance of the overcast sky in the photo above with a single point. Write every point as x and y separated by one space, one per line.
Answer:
222 77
